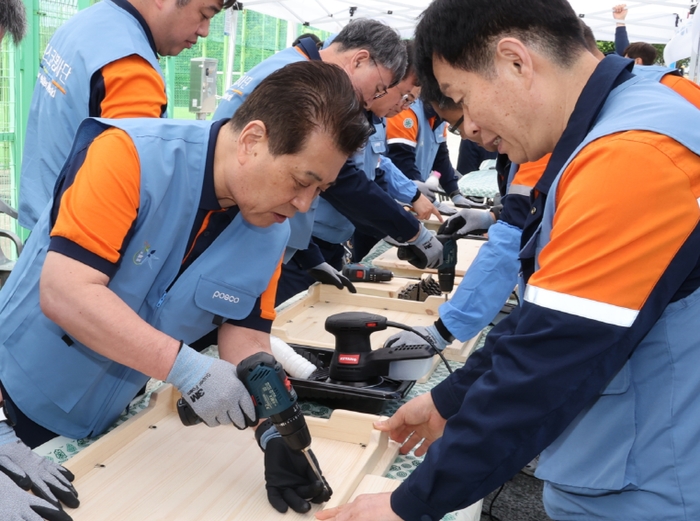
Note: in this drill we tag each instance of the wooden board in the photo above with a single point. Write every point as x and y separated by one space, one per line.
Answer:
154 468
303 322
371 484
466 253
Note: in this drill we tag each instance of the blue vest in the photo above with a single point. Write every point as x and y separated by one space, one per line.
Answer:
652 72
329 224
72 390
634 451
87 42
302 223
429 140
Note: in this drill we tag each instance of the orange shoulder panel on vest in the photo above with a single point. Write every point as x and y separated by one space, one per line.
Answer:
529 173
133 89
98 209
403 128
619 222
267 301
683 86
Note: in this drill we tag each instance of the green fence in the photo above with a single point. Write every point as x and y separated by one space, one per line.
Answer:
257 37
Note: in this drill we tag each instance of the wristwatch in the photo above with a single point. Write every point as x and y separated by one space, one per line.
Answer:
4 417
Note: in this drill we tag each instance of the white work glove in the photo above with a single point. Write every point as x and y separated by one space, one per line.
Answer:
410 338
19 505
28 470
424 252
327 274
212 388
467 221
425 190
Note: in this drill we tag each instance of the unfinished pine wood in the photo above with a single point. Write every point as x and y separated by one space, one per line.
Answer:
154 468
303 322
371 484
466 253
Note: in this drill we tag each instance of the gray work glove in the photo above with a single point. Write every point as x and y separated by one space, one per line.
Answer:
459 200
19 505
425 190
410 338
424 252
212 389
467 221
444 209
327 274
28 470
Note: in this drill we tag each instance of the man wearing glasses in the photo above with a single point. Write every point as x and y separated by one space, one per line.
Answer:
417 139
374 57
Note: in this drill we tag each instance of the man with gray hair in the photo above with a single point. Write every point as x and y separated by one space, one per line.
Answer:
374 57
13 19
103 62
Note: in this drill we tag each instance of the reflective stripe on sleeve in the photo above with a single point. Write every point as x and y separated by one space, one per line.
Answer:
581 307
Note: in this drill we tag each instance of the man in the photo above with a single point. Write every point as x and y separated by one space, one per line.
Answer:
417 139
138 258
375 59
332 230
641 52
103 62
13 19
596 369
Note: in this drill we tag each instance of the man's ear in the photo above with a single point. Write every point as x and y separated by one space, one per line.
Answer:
638 61
251 139
361 57
514 57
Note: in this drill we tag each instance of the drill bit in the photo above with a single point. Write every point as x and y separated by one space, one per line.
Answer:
308 453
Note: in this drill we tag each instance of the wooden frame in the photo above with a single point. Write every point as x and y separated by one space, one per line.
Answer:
152 467
392 288
303 322
467 250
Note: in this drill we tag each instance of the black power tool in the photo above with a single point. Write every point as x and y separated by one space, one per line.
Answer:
360 273
274 398
354 362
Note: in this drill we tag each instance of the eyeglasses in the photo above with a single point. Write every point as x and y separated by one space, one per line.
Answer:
380 94
407 100
455 128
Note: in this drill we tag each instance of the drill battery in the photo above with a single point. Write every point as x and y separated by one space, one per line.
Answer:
360 273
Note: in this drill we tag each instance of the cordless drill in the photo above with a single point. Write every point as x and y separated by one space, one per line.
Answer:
360 273
274 398
446 270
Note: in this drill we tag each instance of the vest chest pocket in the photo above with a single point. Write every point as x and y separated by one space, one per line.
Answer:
223 299
378 146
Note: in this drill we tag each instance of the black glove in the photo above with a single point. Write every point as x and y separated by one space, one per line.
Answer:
18 505
327 274
289 479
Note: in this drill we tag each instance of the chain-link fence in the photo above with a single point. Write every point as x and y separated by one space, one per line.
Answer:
257 37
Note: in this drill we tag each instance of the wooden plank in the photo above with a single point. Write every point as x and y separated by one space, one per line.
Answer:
303 322
155 468
466 253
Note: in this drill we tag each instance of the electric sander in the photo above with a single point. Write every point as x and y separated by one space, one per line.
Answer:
355 364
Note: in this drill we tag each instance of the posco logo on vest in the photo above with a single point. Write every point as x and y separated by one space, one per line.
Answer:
225 296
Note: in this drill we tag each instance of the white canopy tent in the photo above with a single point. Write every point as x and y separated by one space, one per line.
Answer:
652 21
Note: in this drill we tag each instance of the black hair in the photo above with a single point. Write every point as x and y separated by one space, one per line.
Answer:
13 19
463 33
304 97
643 50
